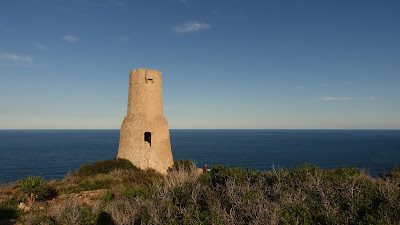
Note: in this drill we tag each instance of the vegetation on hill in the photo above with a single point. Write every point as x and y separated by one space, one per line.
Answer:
116 192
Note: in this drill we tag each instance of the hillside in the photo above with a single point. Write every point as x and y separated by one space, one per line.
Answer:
116 192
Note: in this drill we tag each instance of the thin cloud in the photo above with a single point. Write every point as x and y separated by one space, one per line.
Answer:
70 38
16 58
324 85
372 98
192 26
39 46
329 98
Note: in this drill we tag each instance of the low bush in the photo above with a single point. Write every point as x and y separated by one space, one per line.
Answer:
144 177
393 175
105 166
35 188
184 164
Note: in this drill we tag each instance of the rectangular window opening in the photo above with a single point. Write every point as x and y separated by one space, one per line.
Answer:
147 139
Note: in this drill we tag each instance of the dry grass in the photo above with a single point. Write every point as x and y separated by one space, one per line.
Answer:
181 175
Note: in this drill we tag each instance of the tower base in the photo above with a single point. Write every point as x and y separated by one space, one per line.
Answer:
146 144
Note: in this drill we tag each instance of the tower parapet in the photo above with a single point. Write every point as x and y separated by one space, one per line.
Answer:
145 93
144 137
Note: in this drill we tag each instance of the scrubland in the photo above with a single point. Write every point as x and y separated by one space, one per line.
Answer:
116 192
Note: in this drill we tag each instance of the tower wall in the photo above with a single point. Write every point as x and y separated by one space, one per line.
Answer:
145 114
145 95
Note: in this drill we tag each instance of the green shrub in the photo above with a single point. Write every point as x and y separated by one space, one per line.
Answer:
393 175
145 178
106 197
105 166
181 196
87 216
91 184
136 191
221 174
205 179
342 173
301 214
34 187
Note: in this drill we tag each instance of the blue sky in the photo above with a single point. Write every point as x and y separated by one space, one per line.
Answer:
225 64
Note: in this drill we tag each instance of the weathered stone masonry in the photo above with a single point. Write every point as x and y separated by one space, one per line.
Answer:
144 136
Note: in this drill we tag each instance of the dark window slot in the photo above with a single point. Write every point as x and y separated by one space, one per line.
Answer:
147 137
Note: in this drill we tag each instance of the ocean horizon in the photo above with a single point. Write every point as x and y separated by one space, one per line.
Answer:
53 153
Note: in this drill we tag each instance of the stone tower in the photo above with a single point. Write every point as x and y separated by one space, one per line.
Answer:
144 136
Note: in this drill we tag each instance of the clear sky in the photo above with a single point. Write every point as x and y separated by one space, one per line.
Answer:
226 64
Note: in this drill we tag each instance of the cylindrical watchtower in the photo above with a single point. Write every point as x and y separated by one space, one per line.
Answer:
144 138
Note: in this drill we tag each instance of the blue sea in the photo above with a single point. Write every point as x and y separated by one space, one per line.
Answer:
54 153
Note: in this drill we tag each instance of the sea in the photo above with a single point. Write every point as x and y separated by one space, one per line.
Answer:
54 153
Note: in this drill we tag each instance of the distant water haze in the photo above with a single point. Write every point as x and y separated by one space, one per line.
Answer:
53 153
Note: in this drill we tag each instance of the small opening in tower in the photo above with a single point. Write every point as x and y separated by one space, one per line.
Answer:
147 139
